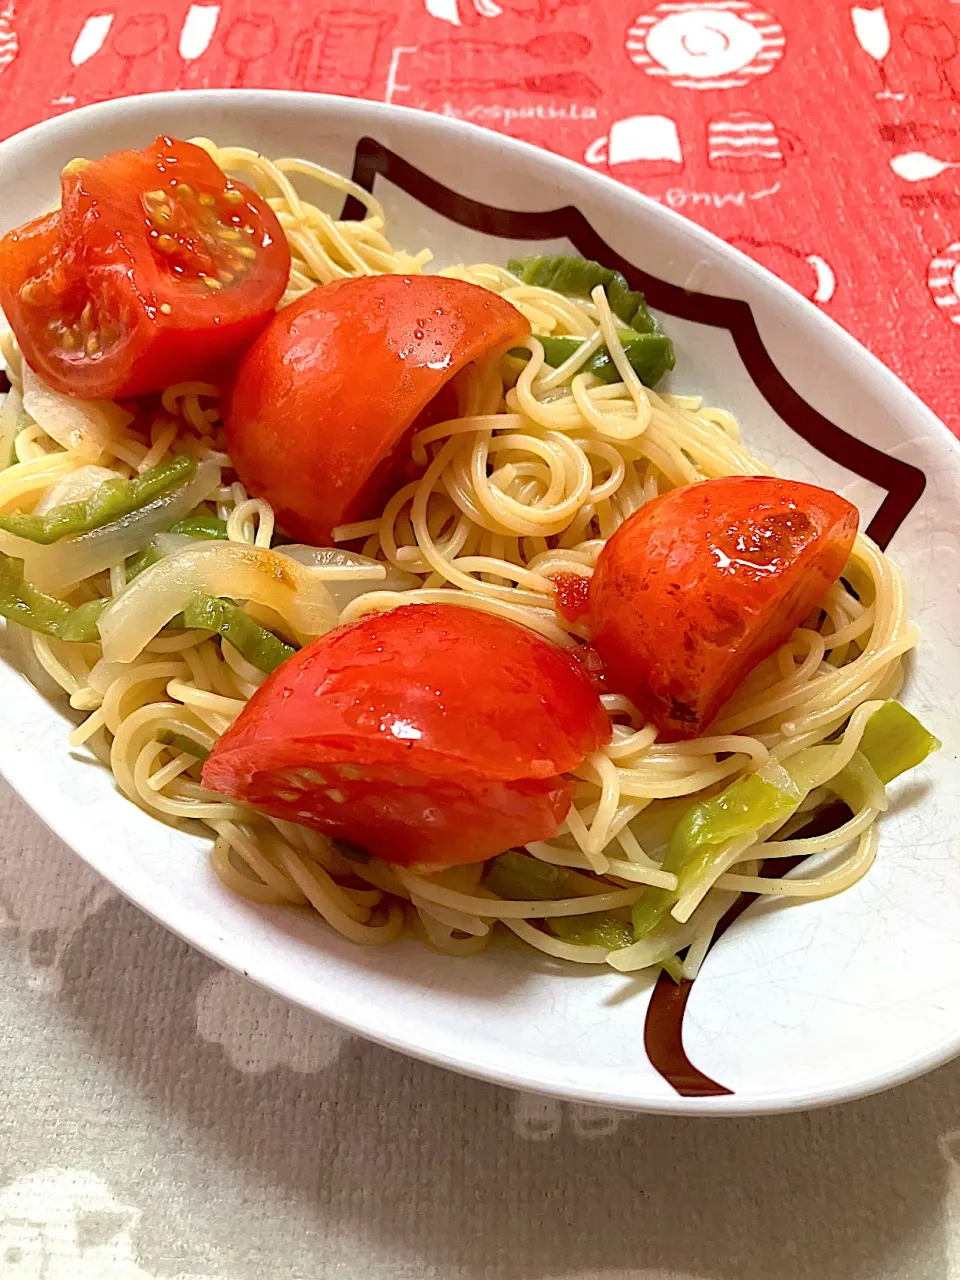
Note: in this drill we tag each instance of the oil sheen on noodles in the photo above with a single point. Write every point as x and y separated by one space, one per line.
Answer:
536 454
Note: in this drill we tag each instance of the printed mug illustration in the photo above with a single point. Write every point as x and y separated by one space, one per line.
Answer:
943 281
725 45
808 273
337 54
748 142
647 146
539 1119
639 147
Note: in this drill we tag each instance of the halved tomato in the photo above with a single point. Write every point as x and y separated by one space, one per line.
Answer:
432 733
326 398
704 582
156 269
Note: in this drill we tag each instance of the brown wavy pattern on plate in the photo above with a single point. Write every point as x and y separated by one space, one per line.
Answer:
903 484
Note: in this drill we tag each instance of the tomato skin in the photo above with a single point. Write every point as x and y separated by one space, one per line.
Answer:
704 582
432 733
325 399
156 260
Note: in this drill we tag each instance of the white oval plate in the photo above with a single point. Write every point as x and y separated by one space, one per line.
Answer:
797 1006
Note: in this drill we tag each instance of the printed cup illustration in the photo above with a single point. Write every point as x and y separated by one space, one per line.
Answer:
706 46
639 147
747 142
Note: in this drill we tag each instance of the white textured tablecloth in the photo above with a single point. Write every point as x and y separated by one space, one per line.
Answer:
162 1118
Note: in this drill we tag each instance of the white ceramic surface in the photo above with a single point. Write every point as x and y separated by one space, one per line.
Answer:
796 1007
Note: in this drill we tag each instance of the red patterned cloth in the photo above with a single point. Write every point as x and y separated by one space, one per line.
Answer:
823 139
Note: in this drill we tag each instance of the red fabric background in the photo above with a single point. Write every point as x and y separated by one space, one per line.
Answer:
773 126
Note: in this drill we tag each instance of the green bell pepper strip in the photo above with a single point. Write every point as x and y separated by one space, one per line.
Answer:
597 929
578 277
204 528
650 355
22 603
210 528
111 501
746 805
893 741
180 742
261 648
519 878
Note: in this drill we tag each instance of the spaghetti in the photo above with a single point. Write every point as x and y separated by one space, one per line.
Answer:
538 469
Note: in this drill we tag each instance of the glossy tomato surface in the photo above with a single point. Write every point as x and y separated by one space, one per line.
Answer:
702 583
432 733
156 269
326 398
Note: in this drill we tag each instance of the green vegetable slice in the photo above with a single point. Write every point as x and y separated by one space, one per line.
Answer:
20 602
208 527
519 878
180 742
111 501
578 277
260 647
650 355
893 741
597 929
743 807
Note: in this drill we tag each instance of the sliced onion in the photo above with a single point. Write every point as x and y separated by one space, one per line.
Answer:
88 428
169 544
344 588
10 422
76 487
62 565
298 594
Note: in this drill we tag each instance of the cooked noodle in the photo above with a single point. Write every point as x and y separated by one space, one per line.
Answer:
536 472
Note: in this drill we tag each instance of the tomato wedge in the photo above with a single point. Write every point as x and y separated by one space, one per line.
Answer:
704 582
156 269
326 398
433 733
